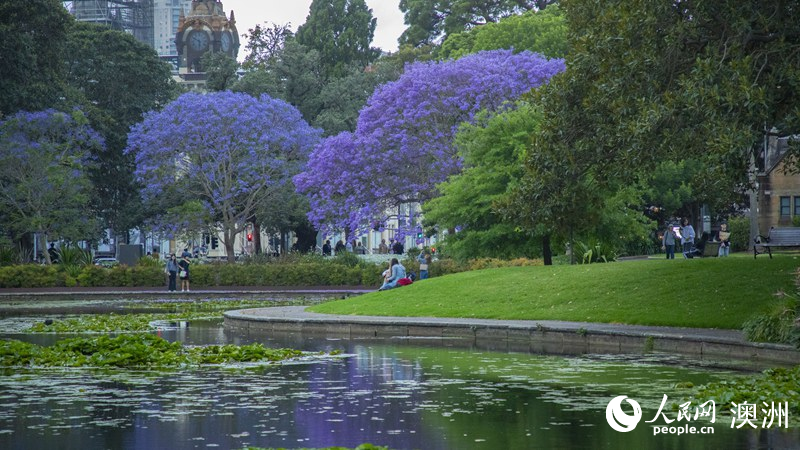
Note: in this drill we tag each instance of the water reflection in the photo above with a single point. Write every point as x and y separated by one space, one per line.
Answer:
395 393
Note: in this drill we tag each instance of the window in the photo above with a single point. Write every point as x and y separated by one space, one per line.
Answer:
785 211
797 206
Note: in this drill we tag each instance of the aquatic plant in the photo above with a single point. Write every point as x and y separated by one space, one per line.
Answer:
776 385
777 325
133 351
360 447
118 323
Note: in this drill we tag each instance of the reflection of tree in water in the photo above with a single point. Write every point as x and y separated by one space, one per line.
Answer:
374 393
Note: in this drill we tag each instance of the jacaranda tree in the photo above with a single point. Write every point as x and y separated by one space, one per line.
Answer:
44 186
229 151
403 143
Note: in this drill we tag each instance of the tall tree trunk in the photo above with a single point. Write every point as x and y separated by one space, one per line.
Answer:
229 241
256 238
46 251
547 252
571 247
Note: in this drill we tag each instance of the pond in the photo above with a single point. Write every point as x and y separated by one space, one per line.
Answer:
400 393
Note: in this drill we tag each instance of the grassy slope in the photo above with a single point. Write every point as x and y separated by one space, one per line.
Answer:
708 293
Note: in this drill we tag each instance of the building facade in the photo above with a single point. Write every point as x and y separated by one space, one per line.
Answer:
166 18
205 28
778 186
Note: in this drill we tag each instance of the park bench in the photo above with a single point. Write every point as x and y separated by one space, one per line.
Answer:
777 237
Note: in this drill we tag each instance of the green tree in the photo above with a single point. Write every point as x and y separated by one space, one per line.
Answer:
341 31
33 38
297 77
702 81
341 99
650 81
264 44
543 32
257 82
429 21
492 150
671 188
220 71
115 79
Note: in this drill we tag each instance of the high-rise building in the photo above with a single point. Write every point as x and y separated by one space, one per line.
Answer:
166 16
154 22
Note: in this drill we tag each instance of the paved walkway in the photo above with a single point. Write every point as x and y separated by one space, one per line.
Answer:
719 348
299 314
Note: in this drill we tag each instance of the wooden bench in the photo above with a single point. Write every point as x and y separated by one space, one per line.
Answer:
777 237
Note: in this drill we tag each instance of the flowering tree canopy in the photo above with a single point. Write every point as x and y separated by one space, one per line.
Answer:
228 150
403 143
44 186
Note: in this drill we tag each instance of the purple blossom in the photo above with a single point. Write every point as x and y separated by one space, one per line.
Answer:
403 143
227 149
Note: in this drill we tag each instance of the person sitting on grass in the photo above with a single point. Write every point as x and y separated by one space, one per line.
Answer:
396 272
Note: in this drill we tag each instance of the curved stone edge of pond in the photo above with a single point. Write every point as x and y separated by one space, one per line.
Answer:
715 348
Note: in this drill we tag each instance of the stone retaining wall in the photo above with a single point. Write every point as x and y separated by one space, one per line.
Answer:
533 339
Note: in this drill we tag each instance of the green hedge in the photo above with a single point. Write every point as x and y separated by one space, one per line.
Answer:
295 274
740 233
291 272
31 276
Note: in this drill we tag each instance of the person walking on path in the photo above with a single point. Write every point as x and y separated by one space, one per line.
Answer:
668 242
184 273
172 271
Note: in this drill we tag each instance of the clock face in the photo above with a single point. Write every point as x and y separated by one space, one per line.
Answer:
225 41
198 40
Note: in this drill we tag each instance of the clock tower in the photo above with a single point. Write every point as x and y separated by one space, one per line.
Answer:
204 29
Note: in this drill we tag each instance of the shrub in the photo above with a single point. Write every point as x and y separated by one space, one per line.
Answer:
347 270
145 275
595 252
93 276
780 323
348 259
148 261
8 256
74 256
30 275
740 233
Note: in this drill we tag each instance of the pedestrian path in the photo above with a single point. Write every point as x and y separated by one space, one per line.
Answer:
721 348
300 314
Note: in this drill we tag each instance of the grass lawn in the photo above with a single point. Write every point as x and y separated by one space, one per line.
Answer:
706 293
